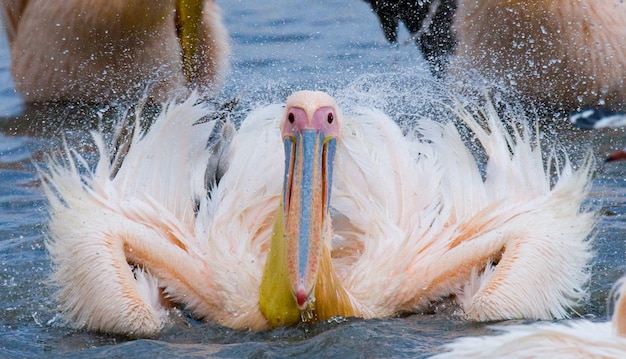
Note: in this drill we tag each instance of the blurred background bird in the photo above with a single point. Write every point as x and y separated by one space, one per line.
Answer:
99 50
559 55
428 22
564 55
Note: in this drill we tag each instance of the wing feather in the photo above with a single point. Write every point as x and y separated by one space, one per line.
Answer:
425 216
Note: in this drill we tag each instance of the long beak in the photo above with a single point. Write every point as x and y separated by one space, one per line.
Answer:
308 180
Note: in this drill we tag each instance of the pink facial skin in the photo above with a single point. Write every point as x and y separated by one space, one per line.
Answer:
323 119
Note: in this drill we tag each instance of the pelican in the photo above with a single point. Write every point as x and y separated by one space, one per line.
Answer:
98 50
572 339
305 214
560 53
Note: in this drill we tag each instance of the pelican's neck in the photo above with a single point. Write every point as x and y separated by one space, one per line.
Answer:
276 301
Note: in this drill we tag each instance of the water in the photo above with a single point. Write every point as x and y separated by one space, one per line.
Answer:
278 47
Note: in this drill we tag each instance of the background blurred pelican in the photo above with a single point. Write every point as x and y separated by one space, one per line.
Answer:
573 339
97 50
561 54
305 214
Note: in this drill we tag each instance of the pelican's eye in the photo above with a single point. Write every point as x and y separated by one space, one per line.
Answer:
330 118
291 118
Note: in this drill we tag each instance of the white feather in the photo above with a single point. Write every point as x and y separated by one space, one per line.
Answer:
569 339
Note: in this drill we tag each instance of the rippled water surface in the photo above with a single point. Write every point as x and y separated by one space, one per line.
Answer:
278 47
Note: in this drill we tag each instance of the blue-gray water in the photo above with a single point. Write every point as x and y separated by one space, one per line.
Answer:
278 47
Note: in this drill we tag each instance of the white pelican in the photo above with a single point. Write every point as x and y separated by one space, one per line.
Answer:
97 50
563 53
573 339
316 215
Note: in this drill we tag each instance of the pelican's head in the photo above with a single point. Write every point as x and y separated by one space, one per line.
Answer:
310 130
